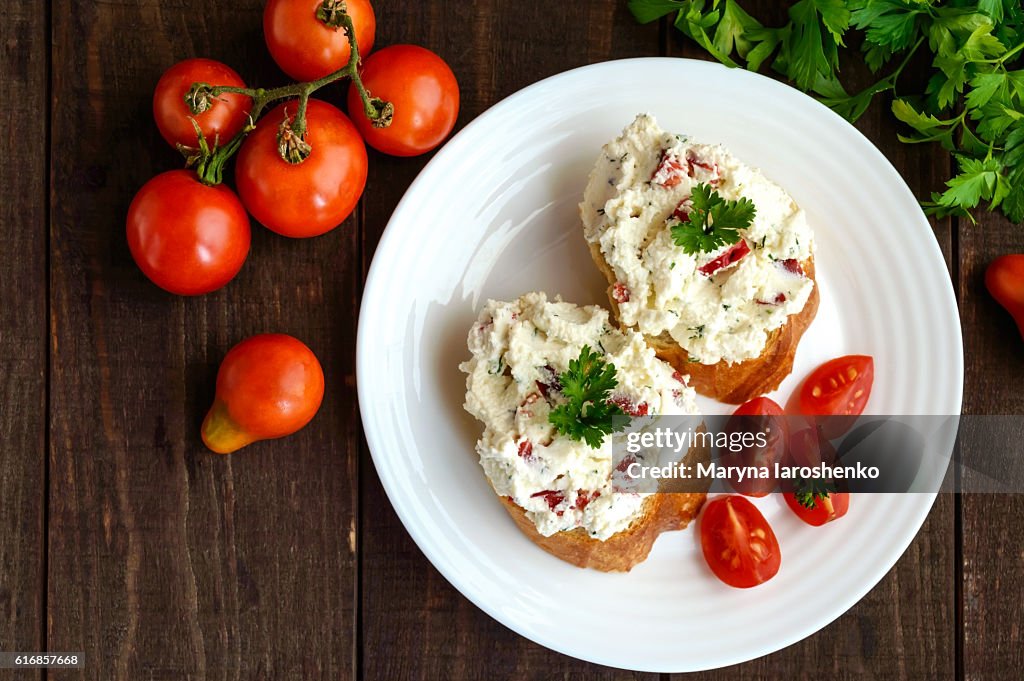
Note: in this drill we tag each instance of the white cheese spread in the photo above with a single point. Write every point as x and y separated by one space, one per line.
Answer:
519 350
715 309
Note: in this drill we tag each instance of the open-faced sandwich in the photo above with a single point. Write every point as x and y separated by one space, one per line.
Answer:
546 378
712 262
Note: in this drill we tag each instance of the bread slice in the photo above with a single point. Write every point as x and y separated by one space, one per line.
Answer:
737 382
672 508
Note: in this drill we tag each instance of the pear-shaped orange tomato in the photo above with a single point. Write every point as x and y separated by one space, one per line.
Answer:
268 386
1004 279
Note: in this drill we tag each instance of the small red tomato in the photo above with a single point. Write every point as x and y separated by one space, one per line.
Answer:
187 237
422 89
756 416
224 118
268 386
304 46
738 543
838 390
1004 279
818 509
313 196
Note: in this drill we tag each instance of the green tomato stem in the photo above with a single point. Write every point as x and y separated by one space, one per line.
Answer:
210 162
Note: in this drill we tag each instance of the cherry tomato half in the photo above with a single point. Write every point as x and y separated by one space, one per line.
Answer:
308 198
306 48
422 89
823 508
838 390
268 386
224 119
759 415
738 543
187 237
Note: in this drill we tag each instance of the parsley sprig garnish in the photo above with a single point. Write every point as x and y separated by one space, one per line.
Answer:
714 222
587 415
971 102
809 491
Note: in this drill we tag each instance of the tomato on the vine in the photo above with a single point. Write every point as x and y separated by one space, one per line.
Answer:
187 237
310 197
738 543
224 118
424 92
304 46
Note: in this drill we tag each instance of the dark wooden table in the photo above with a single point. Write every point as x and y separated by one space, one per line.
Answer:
122 537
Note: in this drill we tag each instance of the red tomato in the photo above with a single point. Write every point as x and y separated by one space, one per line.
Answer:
760 414
224 119
268 386
307 198
823 508
187 237
838 388
1004 279
424 92
306 48
738 543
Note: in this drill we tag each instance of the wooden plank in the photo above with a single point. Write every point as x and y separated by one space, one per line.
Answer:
993 561
23 357
414 624
903 628
168 562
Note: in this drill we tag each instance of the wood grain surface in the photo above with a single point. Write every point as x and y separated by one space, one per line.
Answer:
122 537
23 327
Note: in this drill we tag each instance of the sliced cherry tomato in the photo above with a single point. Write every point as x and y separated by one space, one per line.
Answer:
738 543
422 89
220 122
187 237
730 256
810 447
839 389
308 198
304 46
823 508
1004 279
759 415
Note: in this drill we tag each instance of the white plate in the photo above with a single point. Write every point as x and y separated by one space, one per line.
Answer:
494 215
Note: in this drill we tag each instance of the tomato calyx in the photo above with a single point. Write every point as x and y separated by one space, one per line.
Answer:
331 13
291 144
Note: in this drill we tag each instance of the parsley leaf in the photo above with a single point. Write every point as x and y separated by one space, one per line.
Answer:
587 415
976 50
714 222
809 491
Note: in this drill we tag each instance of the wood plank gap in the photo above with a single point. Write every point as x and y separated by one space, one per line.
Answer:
357 609
44 569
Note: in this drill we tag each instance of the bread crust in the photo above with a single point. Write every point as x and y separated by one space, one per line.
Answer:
740 381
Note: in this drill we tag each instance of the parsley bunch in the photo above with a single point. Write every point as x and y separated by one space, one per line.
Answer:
587 385
713 221
972 103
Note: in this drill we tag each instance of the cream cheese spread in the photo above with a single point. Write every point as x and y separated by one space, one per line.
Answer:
519 350
719 305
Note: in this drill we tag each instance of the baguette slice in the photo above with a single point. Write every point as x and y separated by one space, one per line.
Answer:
672 508
740 381
623 550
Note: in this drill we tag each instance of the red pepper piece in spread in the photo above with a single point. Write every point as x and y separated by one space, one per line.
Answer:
526 450
779 299
620 292
583 497
628 406
730 256
552 497
682 211
792 265
669 172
